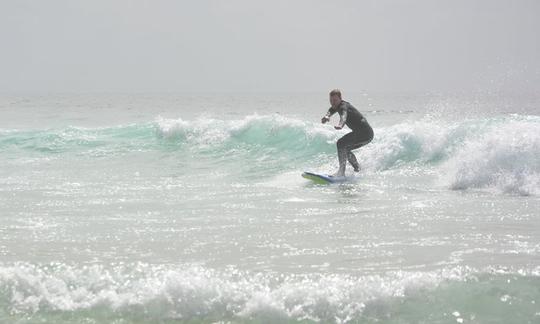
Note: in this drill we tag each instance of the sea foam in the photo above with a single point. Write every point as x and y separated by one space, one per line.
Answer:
159 293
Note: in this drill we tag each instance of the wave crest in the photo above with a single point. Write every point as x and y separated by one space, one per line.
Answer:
504 156
266 131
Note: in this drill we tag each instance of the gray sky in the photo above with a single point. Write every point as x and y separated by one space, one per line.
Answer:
273 45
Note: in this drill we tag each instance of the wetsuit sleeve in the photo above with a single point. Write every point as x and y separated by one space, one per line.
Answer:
330 112
342 118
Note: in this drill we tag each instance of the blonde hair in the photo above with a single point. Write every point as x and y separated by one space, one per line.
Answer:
336 92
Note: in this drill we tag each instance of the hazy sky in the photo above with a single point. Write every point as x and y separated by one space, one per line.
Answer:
273 45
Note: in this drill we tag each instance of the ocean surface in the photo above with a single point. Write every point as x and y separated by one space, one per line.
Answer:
190 208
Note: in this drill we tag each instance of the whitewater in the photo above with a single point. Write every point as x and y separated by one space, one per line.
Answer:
178 208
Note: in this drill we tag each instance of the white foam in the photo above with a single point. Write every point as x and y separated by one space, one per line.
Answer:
505 156
196 291
415 141
501 152
209 130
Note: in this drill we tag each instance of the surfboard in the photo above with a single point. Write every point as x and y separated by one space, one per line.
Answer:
323 178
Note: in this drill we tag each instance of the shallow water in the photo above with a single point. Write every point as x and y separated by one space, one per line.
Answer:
191 208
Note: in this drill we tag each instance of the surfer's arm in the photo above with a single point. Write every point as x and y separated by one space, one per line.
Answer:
326 117
342 119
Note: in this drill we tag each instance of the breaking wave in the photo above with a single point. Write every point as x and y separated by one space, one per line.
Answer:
143 292
496 152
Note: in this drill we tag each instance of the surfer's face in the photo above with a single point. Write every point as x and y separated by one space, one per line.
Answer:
335 100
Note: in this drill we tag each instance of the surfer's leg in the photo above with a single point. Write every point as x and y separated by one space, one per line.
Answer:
361 139
343 145
342 158
353 161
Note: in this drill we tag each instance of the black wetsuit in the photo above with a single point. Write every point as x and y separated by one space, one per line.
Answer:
361 134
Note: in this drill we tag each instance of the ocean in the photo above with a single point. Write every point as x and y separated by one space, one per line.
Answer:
190 208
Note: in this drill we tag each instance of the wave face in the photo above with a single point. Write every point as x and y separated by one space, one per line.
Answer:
274 132
497 152
270 134
136 293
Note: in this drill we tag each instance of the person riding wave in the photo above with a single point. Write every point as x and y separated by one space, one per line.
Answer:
361 134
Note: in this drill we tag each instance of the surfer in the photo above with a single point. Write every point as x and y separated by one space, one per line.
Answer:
361 134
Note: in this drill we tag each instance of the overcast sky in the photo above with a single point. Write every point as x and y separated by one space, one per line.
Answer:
273 45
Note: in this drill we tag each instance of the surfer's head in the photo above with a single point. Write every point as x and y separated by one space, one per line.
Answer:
335 97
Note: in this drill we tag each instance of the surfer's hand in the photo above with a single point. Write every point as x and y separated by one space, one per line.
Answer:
325 119
338 127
